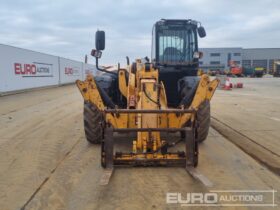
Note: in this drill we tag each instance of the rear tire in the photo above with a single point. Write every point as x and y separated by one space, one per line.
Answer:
203 119
92 123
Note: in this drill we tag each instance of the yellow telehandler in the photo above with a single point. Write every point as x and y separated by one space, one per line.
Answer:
150 98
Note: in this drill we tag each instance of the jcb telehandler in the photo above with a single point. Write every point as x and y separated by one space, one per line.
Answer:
150 98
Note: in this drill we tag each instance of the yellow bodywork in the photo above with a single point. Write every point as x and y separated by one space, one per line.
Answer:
144 91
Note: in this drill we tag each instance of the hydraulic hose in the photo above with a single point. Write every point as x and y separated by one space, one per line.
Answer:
152 100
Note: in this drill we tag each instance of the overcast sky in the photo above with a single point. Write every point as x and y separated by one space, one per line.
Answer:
66 28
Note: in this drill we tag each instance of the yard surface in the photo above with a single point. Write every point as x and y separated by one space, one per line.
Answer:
46 163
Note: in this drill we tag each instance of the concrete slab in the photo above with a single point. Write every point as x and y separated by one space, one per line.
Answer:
252 111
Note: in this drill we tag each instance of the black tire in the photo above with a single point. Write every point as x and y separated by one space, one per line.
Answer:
203 119
92 123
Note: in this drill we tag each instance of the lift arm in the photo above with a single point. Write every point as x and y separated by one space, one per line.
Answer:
90 92
204 91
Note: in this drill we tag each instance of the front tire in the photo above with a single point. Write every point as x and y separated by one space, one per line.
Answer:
203 119
92 123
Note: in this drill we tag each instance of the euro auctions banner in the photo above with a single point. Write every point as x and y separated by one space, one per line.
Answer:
70 70
25 69
34 70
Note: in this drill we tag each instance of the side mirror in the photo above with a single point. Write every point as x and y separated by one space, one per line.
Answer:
100 40
201 31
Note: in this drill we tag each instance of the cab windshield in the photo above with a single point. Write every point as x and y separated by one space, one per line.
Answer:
176 44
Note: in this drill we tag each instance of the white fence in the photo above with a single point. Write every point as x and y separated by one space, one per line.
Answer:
88 69
22 69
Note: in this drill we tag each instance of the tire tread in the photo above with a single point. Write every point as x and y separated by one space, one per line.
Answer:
92 127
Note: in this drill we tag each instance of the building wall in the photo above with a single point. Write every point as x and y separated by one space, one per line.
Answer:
218 58
260 57
255 57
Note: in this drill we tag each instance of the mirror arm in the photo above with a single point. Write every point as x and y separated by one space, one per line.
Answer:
103 70
127 60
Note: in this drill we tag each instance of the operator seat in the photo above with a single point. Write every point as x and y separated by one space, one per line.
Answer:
172 54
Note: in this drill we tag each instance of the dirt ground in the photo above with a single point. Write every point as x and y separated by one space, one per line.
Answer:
46 163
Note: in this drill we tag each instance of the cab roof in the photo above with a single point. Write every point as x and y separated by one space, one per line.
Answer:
177 22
